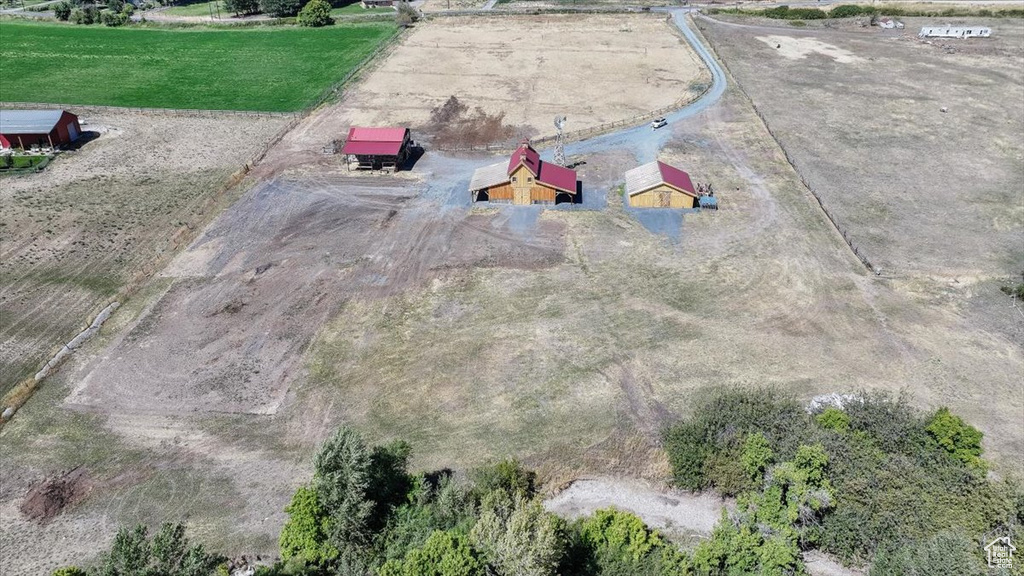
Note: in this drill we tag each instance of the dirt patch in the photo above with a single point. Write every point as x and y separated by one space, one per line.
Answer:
453 125
674 512
800 48
53 495
247 297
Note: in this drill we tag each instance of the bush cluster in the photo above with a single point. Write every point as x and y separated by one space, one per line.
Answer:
316 13
886 479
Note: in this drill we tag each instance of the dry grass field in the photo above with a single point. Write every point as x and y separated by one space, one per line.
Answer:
920 191
531 68
564 338
105 216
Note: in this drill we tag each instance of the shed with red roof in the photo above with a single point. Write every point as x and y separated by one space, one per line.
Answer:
658 185
378 148
525 179
38 128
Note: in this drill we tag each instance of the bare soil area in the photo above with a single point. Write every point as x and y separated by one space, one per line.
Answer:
50 497
675 513
592 68
106 216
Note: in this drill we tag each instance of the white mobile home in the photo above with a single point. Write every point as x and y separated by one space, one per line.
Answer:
955 32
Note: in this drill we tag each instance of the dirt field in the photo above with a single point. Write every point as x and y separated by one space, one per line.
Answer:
888 163
99 218
566 338
531 68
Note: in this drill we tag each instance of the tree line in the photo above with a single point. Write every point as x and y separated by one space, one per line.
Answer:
871 481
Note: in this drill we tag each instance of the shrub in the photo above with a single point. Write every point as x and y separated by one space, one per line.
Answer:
62 10
305 534
621 532
69 571
406 15
1017 291
721 425
946 553
242 7
169 552
727 472
115 5
315 13
850 10
113 19
757 455
833 419
957 437
869 477
517 536
508 476
280 8
443 554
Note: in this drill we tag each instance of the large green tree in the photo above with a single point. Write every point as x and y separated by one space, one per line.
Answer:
518 536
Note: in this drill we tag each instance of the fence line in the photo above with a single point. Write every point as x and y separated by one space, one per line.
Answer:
821 204
184 112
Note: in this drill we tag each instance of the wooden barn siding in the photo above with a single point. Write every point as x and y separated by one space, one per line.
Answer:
540 193
650 199
500 192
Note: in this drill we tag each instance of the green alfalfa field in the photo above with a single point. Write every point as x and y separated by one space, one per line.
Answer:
264 68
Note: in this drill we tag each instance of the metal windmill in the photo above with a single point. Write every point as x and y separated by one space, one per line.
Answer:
560 141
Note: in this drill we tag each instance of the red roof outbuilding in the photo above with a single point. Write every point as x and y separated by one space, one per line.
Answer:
375 141
676 177
546 173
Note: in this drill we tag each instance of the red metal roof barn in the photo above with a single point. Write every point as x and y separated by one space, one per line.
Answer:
658 185
526 179
39 128
378 148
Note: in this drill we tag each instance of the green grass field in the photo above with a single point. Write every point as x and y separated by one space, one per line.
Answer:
263 68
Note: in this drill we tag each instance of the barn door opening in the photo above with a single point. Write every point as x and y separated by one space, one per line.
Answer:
72 132
664 199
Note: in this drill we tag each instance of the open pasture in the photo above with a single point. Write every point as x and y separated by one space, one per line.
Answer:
277 69
592 68
921 191
104 217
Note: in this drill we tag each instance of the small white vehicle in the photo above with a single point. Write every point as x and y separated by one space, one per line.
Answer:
658 123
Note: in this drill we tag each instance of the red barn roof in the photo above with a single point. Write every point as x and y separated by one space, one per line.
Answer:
546 173
375 141
653 174
676 177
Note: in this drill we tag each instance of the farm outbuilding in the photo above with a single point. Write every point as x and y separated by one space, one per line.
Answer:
525 179
38 128
658 185
948 31
378 148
